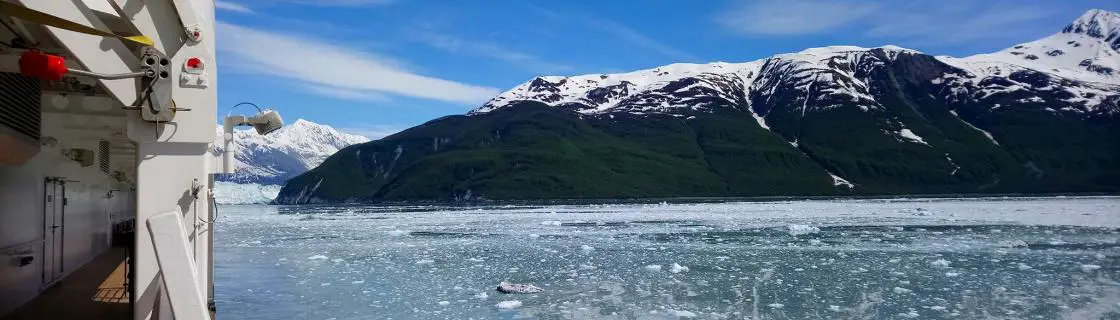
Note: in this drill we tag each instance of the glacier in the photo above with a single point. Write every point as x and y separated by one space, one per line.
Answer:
226 192
263 163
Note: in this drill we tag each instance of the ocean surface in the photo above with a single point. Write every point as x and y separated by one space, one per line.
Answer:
989 258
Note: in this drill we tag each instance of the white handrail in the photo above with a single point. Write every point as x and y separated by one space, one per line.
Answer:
178 272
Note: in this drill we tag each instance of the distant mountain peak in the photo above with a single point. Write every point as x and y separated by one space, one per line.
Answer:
1098 23
290 151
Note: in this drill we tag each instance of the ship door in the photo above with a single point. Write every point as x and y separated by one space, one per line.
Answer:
54 221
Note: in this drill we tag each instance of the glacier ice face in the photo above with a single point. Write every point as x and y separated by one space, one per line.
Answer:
226 192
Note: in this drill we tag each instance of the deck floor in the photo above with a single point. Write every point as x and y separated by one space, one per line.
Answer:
96 291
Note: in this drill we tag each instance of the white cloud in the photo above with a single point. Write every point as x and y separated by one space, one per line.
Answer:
927 22
232 6
347 94
773 17
376 131
488 50
326 65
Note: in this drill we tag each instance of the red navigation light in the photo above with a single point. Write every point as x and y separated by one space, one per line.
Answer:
43 66
194 63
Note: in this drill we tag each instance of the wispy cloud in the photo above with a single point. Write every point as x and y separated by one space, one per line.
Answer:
339 3
347 94
232 6
774 17
627 34
956 23
491 50
376 131
617 30
326 65
926 22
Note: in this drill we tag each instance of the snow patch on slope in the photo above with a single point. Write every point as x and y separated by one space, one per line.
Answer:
954 164
838 181
986 133
910 136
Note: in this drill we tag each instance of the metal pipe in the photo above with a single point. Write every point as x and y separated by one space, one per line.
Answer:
227 137
111 76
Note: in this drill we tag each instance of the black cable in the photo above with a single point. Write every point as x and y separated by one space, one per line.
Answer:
7 45
248 103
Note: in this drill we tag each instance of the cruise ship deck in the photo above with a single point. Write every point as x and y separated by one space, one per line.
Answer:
98 290
108 111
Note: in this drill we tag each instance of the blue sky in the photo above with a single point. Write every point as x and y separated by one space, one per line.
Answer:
374 67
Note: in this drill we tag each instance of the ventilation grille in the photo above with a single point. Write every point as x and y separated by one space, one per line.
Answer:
103 155
19 104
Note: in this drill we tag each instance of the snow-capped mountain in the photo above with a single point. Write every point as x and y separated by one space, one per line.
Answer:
1075 70
1037 117
274 158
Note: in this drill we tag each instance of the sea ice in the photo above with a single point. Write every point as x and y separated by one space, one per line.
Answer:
506 287
681 313
800 229
940 263
317 257
654 267
677 268
508 304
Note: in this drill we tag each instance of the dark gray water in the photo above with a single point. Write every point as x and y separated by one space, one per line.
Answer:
1042 258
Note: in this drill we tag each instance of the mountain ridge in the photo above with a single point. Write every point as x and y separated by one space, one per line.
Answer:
601 92
823 121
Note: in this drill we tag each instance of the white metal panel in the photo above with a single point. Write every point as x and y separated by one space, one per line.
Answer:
189 126
164 177
173 252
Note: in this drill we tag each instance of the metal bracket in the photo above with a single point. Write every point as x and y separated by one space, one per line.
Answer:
157 90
